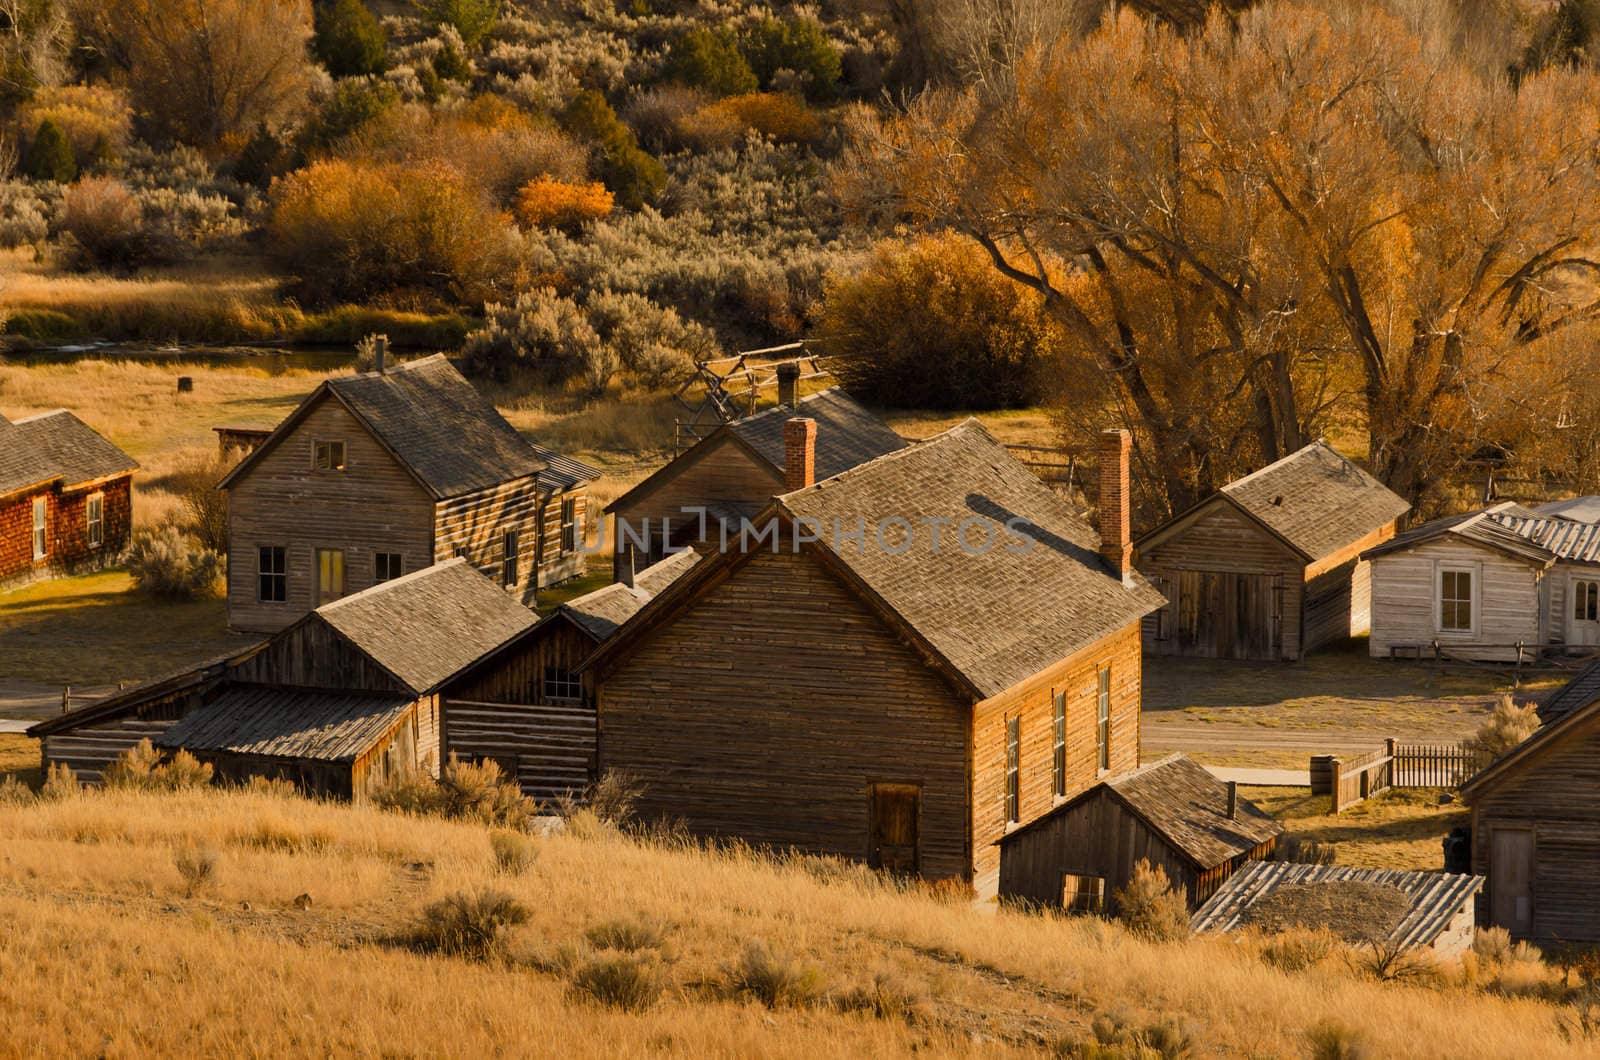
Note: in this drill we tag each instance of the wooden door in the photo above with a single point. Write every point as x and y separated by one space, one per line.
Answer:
1583 613
1228 616
892 835
1511 880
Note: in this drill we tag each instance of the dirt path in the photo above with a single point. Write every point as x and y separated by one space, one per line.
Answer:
30 701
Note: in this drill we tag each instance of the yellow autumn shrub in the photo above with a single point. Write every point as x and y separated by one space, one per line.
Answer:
549 203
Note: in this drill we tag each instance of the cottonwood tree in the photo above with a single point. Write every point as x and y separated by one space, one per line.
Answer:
33 44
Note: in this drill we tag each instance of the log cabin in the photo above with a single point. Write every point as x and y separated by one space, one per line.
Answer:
1172 813
734 471
529 707
1269 567
921 653
391 471
1503 583
343 700
66 498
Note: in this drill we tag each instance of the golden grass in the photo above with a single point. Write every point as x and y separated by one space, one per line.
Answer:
19 757
106 953
1400 829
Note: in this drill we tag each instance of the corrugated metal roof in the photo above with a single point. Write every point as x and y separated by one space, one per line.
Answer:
1436 897
1579 509
1565 539
56 447
562 473
1510 528
287 723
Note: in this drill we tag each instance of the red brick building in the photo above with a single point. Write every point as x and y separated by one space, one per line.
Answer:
65 498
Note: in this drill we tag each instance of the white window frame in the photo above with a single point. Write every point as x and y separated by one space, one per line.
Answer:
1572 595
1475 571
41 527
94 514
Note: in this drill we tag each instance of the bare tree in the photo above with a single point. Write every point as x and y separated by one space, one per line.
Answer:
33 44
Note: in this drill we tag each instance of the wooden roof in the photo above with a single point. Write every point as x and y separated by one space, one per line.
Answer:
288 723
1436 897
602 612
56 447
1181 801
1509 528
1573 720
450 438
427 626
1582 690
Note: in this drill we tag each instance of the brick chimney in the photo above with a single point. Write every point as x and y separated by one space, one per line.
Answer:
1116 536
799 454
789 385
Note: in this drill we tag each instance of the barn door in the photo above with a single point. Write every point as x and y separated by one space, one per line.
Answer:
892 835
1511 880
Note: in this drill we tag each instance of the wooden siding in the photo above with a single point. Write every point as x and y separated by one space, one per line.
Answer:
67 548
475 526
89 748
556 566
767 708
1032 702
1405 600
313 655
372 506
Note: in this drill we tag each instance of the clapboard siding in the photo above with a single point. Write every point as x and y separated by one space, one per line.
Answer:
1032 703
767 707
1405 605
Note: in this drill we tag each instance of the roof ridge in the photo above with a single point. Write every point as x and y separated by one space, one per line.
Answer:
1149 767
44 416
384 586
910 447
1318 444
782 408
388 369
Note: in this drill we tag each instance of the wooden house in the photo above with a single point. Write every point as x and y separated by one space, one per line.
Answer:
734 472
1172 813
66 498
1502 583
529 706
344 699
379 474
1269 566
1426 910
1536 824
922 652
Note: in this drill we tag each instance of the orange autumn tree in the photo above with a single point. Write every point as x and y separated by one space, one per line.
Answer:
549 203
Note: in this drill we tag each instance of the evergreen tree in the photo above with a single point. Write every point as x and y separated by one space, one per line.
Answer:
50 155
349 39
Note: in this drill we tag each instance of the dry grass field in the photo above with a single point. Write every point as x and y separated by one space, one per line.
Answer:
1400 829
111 950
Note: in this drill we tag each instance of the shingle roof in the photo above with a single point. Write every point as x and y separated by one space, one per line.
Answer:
1582 690
1181 799
56 447
600 613
428 626
998 614
1512 529
285 723
847 434
1316 500
1436 897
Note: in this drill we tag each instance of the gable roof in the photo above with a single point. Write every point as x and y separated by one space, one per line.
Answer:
1186 805
847 435
1509 528
427 626
1570 716
1582 690
429 418
602 612
288 723
56 447
1578 509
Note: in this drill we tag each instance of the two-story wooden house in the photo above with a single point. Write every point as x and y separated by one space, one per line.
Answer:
66 498
917 655
380 474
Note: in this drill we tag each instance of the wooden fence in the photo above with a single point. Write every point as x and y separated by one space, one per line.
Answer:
1359 778
1347 781
1433 765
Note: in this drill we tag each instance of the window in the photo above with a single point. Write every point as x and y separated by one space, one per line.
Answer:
40 506
1013 768
386 566
1455 600
1103 713
96 511
272 575
569 525
1058 753
327 456
561 684
508 559
330 575
1083 894
1586 600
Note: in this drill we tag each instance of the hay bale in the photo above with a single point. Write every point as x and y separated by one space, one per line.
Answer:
1356 911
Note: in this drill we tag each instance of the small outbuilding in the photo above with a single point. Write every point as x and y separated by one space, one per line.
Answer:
1431 910
1173 813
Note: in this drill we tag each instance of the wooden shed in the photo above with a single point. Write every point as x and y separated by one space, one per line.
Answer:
1172 813
1269 567
1431 910
1536 825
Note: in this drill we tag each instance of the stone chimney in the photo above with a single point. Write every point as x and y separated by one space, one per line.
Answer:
799 454
1233 800
1116 535
789 385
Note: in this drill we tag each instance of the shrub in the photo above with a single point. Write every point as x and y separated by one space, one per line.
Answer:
710 59
348 40
60 782
514 852
932 324
634 176
627 981
656 115
1119 1036
630 936
1391 960
167 563
197 865
1332 1040
549 203
1508 726
1295 951
541 331
273 787
799 45
779 116
50 154
367 352
776 981
472 19
106 223
1492 945
1149 906
353 104
1303 850
468 924
95 120
612 798
474 791
24 216
887 998
204 507
14 792
142 768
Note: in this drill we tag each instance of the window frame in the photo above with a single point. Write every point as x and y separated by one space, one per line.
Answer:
1013 800
569 525
510 558
319 445
1102 728
1058 744
280 575
324 557
94 517
40 537
393 562
1474 573
554 679
1585 600
1088 893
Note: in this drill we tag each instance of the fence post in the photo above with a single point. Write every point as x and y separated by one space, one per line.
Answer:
1334 777
1390 746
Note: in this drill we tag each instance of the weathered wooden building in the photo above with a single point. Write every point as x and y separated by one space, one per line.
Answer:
1536 825
1172 813
922 652
342 700
529 706
1269 567
379 474
734 472
66 498
1503 583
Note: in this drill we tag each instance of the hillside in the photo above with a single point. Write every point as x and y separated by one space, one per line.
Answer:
107 952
